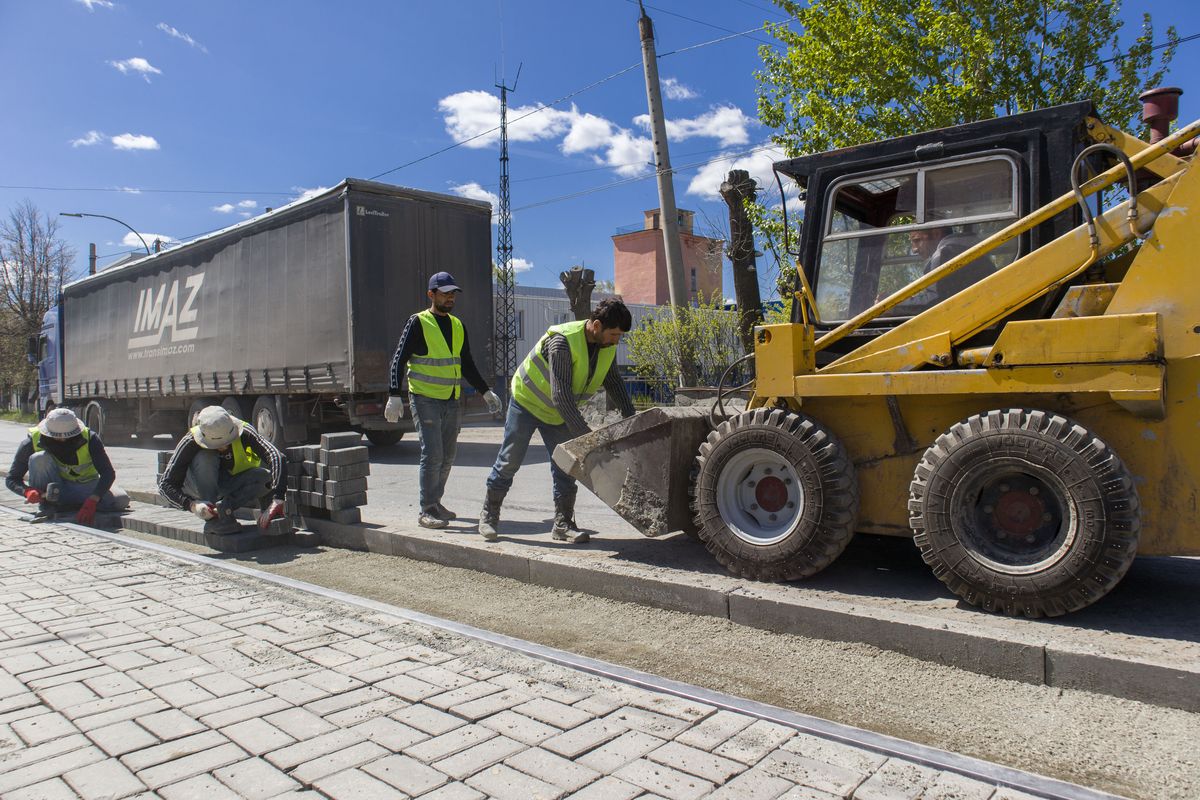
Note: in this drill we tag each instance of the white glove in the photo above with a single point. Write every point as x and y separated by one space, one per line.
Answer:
394 410
493 402
203 510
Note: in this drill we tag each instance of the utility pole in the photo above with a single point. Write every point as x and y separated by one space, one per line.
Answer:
91 258
504 342
668 213
736 190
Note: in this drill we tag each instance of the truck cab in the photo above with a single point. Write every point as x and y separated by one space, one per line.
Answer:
44 354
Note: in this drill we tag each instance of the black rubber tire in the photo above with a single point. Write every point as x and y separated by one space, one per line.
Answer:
381 438
265 419
96 418
1090 513
824 524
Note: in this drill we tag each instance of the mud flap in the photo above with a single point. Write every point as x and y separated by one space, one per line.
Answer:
641 466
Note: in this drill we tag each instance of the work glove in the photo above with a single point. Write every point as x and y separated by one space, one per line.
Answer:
493 402
394 410
203 509
33 496
274 511
87 511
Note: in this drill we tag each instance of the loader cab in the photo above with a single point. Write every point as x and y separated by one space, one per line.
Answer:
878 216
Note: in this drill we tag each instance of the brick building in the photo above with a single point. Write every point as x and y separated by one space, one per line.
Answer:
640 261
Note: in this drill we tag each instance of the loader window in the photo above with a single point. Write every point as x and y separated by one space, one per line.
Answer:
885 230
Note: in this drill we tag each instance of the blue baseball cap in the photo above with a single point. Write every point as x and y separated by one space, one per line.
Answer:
443 282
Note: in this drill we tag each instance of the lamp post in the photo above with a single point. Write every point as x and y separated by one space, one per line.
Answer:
114 219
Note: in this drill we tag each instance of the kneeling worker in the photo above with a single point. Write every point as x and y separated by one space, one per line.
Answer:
218 467
59 450
566 367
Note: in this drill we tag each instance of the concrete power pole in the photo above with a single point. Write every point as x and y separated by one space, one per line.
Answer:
668 214
737 189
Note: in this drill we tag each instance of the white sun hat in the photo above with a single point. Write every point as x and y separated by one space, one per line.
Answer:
217 428
61 423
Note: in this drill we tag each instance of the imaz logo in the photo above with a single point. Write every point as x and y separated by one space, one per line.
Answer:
158 311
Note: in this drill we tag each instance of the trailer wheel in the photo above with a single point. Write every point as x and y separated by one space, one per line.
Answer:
97 418
236 406
198 405
381 438
265 419
1024 512
775 496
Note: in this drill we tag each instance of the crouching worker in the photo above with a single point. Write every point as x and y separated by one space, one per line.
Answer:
223 464
566 367
68 462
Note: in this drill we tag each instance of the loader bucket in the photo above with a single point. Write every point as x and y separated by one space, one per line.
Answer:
641 466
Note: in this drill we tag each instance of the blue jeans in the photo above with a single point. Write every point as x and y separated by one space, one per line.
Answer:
437 423
519 426
207 481
43 470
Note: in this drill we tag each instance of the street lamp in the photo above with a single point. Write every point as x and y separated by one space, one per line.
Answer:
114 219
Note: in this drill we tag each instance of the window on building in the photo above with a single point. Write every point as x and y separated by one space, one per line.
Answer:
520 324
695 285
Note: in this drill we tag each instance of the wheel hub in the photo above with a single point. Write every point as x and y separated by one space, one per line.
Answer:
1018 520
760 496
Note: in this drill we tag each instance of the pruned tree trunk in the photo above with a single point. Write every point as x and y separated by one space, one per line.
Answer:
737 189
579 283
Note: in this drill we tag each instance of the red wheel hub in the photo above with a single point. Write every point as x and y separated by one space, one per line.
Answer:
1019 513
771 494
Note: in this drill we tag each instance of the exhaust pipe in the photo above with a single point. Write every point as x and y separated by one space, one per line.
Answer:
1160 107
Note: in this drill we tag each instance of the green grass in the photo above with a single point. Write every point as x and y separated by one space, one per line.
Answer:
18 416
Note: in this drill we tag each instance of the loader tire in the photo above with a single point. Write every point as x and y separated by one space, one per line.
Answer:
775 497
1024 512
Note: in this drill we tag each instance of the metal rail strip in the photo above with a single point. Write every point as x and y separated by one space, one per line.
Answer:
932 757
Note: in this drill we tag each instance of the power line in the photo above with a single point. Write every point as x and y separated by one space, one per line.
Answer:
1159 46
708 24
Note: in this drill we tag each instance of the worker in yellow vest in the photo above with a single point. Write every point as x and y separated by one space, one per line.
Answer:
436 356
60 451
567 366
220 465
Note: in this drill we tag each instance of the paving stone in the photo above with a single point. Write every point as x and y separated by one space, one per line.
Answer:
365 711
180 768
254 778
519 727
296 754
183 693
554 713
552 768
53 789
490 704
651 722
345 699
703 764
807 772
122 738
162 753
808 793
170 724
257 736
584 738
42 728
389 733
299 723
450 743
714 730
453 791
39 771
628 747
757 784
353 756
948 786
354 784
406 774
664 780
842 755
464 694
105 779
505 783
408 688
607 788
481 756
429 720
755 742
201 787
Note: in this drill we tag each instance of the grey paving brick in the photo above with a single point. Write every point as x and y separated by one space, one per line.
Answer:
122 737
449 743
162 753
554 713
365 711
552 768
584 738
408 688
257 736
808 793
354 784
481 756
406 774
296 691
842 755
201 787
170 724
607 788
599 705
53 789
107 779
293 755
755 742
42 728
440 676
345 699
258 708
183 693
533 686
505 783
755 784
519 727
54 747
350 757
948 786
180 768
714 730
220 684
39 771
664 781
697 762
389 733
807 772
490 704
626 748
112 684
120 714
896 780
429 720
299 724
463 694
651 722
254 778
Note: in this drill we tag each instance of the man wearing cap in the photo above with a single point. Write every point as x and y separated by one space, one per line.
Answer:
60 450
435 354
223 464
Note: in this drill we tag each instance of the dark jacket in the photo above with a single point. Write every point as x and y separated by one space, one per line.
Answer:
66 452
171 483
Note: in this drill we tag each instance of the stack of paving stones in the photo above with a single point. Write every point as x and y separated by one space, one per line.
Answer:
329 480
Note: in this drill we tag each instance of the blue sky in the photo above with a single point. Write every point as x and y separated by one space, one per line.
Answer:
227 107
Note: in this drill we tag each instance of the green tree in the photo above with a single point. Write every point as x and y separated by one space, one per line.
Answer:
855 71
706 336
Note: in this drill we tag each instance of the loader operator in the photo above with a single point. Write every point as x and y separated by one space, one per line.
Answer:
68 467
435 350
567 365
217 468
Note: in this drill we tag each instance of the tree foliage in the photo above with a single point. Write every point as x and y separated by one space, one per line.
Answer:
705 335
34 265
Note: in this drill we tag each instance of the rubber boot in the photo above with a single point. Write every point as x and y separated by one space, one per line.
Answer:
489 515
565 529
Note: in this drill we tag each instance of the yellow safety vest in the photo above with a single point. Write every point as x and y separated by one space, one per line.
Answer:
531 383
244 458
80 472
438 373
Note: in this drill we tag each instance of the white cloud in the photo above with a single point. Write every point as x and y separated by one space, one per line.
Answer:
134 141
247 204
469 114
92 4
131 239
521 265
588 132
473 191
245 214
88 139
725 123
180 35
224 208
305 194
138 65
677 91
707 182
129 190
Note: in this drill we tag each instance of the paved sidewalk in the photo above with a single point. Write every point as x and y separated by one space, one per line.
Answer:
126 673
